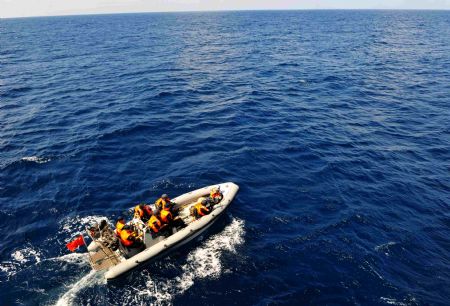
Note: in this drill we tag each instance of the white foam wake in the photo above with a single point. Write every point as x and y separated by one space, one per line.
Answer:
20 259
203 262
74 226
91 279
29 256
80 259
36 159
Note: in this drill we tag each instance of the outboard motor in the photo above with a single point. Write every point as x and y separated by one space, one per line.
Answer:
102 233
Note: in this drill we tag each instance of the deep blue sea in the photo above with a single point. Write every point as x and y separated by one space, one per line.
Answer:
335 125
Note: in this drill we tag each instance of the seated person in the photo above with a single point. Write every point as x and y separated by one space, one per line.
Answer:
97 230
167 219
164 203
129 238
119 225
143 212
165 216
154 224
199 209
215 195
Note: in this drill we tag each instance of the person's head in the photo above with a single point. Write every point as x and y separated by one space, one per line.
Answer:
216 189
121 220
204 202
127 227
164 196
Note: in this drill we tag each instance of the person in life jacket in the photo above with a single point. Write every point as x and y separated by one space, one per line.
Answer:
128 238
165 216
164 203
154 224
199 209
119 225
215 195
143 212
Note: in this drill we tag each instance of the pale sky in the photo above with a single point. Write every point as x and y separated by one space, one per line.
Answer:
22 8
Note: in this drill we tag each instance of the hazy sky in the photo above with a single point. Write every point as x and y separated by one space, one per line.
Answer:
16 8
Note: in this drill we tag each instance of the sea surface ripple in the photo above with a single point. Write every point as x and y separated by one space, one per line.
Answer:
335 124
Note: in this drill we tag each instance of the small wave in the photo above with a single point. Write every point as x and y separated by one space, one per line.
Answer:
288 64
20 258
15 91
385 247
8 269
168 184
26 255
390 301
36 159
29 256
331 78
368 267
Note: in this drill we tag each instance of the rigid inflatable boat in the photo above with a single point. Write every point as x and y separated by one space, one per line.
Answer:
106 254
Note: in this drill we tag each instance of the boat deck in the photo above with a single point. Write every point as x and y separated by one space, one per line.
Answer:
103 258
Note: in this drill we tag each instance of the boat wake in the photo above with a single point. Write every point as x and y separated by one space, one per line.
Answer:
80 259
203 262
20 259
93 278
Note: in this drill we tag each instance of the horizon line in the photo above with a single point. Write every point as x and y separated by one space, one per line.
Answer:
225 10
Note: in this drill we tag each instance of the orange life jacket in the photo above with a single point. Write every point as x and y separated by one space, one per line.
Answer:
119 226
144 212
165 216
125 236
201 209
216 196
162 204
154 223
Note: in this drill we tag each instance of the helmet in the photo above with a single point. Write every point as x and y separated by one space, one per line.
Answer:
204 202
164 196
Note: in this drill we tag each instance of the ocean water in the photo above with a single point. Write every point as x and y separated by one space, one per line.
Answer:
335 124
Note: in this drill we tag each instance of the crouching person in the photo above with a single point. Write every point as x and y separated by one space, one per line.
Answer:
215 195
129 238
143 212
155 225
165 216
199 209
